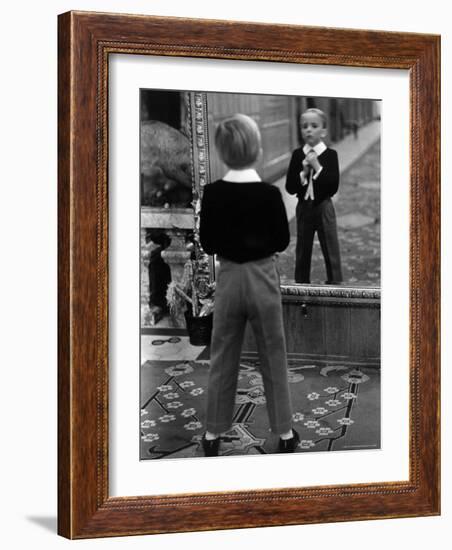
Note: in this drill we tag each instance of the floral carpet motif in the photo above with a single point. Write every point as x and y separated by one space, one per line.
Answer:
334 408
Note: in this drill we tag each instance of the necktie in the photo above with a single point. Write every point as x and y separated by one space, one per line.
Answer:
310 191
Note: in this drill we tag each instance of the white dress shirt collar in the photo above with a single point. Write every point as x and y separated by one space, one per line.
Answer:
242 176
318 149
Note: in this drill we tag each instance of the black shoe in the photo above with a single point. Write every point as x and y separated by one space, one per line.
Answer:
289 445
210 446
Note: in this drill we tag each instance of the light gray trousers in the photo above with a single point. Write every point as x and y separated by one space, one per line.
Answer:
248 292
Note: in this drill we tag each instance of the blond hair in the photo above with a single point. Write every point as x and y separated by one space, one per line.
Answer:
238 141
319 113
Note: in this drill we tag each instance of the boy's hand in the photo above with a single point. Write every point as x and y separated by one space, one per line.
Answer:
311 158
306 167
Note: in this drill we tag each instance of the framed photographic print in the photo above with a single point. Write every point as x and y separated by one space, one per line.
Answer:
248 334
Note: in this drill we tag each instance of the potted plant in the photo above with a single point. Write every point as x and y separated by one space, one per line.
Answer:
193 297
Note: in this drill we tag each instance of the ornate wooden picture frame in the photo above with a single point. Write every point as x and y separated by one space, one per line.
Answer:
85 508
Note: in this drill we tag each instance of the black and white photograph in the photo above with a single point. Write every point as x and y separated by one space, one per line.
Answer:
260 274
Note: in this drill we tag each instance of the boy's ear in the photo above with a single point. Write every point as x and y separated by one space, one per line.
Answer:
324 133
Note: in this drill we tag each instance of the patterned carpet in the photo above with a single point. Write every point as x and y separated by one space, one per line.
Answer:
335 408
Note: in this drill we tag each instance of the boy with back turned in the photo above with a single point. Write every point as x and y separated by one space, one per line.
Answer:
244 222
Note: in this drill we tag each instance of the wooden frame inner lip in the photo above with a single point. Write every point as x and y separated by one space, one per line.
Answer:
258 55
234 497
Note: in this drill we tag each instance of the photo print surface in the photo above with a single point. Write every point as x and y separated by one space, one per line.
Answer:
321 158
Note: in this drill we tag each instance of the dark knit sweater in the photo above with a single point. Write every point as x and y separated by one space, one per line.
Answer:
243 221
327 182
